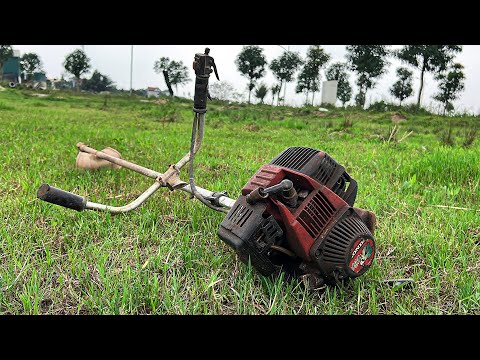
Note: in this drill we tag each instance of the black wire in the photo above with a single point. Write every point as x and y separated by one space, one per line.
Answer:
195 192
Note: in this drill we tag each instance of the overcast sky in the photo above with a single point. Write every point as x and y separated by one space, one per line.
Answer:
114 61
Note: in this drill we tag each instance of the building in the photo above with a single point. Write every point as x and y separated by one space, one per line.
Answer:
152 91
11 68
59 84
155 92
329 92
39 81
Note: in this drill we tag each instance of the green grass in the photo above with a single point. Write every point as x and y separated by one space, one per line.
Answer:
165 257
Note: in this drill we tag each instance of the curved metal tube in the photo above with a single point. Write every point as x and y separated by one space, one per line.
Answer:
121 209
224 201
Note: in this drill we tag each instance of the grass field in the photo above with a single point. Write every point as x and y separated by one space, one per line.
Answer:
165 257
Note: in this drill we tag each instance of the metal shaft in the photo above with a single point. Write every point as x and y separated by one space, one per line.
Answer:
225 201
198 142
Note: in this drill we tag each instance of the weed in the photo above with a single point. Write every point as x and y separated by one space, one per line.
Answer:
347 122
447 137
470 137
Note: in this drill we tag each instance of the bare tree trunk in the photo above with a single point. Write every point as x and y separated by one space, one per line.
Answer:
167 81
313 96
361 98
421 86
279 91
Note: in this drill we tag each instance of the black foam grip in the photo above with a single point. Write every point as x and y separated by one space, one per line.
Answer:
200 96
60 197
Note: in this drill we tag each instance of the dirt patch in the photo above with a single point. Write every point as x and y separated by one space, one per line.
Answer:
475 234
397 118
252 127
162 101
40 95
45 304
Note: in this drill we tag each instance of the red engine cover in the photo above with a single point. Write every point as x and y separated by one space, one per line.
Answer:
305 224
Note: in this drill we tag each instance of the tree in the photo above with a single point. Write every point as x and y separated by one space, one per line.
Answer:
338 72
402 89
178 74
307 81
98 82
260 92
275 89
30 63
238 97
450 86
174 72
284 67
309 77
427 58
77 63
6 51
221 90
369 62
251 63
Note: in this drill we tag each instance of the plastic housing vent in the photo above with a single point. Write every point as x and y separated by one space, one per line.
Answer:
294 158
316 214
240 215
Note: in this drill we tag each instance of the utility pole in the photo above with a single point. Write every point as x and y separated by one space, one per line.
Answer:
131 69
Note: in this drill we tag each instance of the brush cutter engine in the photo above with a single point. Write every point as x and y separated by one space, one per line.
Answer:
296 214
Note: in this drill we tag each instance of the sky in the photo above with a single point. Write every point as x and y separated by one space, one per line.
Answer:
114 61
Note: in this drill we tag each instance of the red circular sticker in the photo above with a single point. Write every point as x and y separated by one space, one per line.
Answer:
362 254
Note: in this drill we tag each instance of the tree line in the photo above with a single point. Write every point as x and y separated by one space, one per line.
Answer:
368 62
77 63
